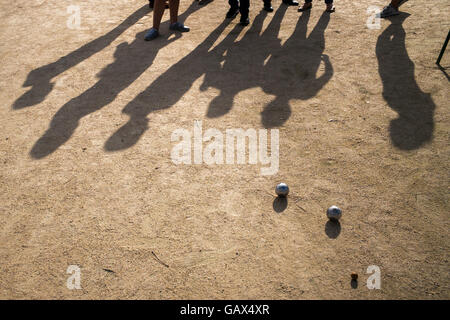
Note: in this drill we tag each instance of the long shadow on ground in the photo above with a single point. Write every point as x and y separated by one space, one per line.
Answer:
415 124
287 71
40 79
131 60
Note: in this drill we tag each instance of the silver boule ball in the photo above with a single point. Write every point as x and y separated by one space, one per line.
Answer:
282 190
334 213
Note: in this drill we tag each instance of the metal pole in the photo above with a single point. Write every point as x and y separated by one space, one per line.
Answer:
443 49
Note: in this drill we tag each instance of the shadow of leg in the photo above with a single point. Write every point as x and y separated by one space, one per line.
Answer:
166 90
66 120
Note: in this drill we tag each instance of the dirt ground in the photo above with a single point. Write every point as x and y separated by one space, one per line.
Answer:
87 178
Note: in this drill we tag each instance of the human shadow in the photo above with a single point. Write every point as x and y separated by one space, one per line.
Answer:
40 79
257 60
168 88
130 61
287 71
293 71
415 124
243 66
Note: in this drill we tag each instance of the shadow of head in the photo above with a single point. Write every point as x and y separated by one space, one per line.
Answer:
409 133
39 90
414 126
332 229
354 283
40 79
280 204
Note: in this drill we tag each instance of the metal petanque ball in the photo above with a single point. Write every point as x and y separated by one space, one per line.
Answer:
334 213
282 190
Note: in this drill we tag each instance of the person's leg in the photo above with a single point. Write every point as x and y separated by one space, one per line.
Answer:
268 5
233 4
244 9
306 6
290 2
174 5
151 4
234 9
158 11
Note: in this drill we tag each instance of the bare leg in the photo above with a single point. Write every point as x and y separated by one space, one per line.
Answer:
158 11
174 4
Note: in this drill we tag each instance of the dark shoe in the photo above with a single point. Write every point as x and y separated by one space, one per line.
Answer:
330 8
268 8
290 2
178 26
232 13
245 21
305 7
151 34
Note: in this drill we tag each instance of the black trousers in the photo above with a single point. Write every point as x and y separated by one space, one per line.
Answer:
326 1
244 6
